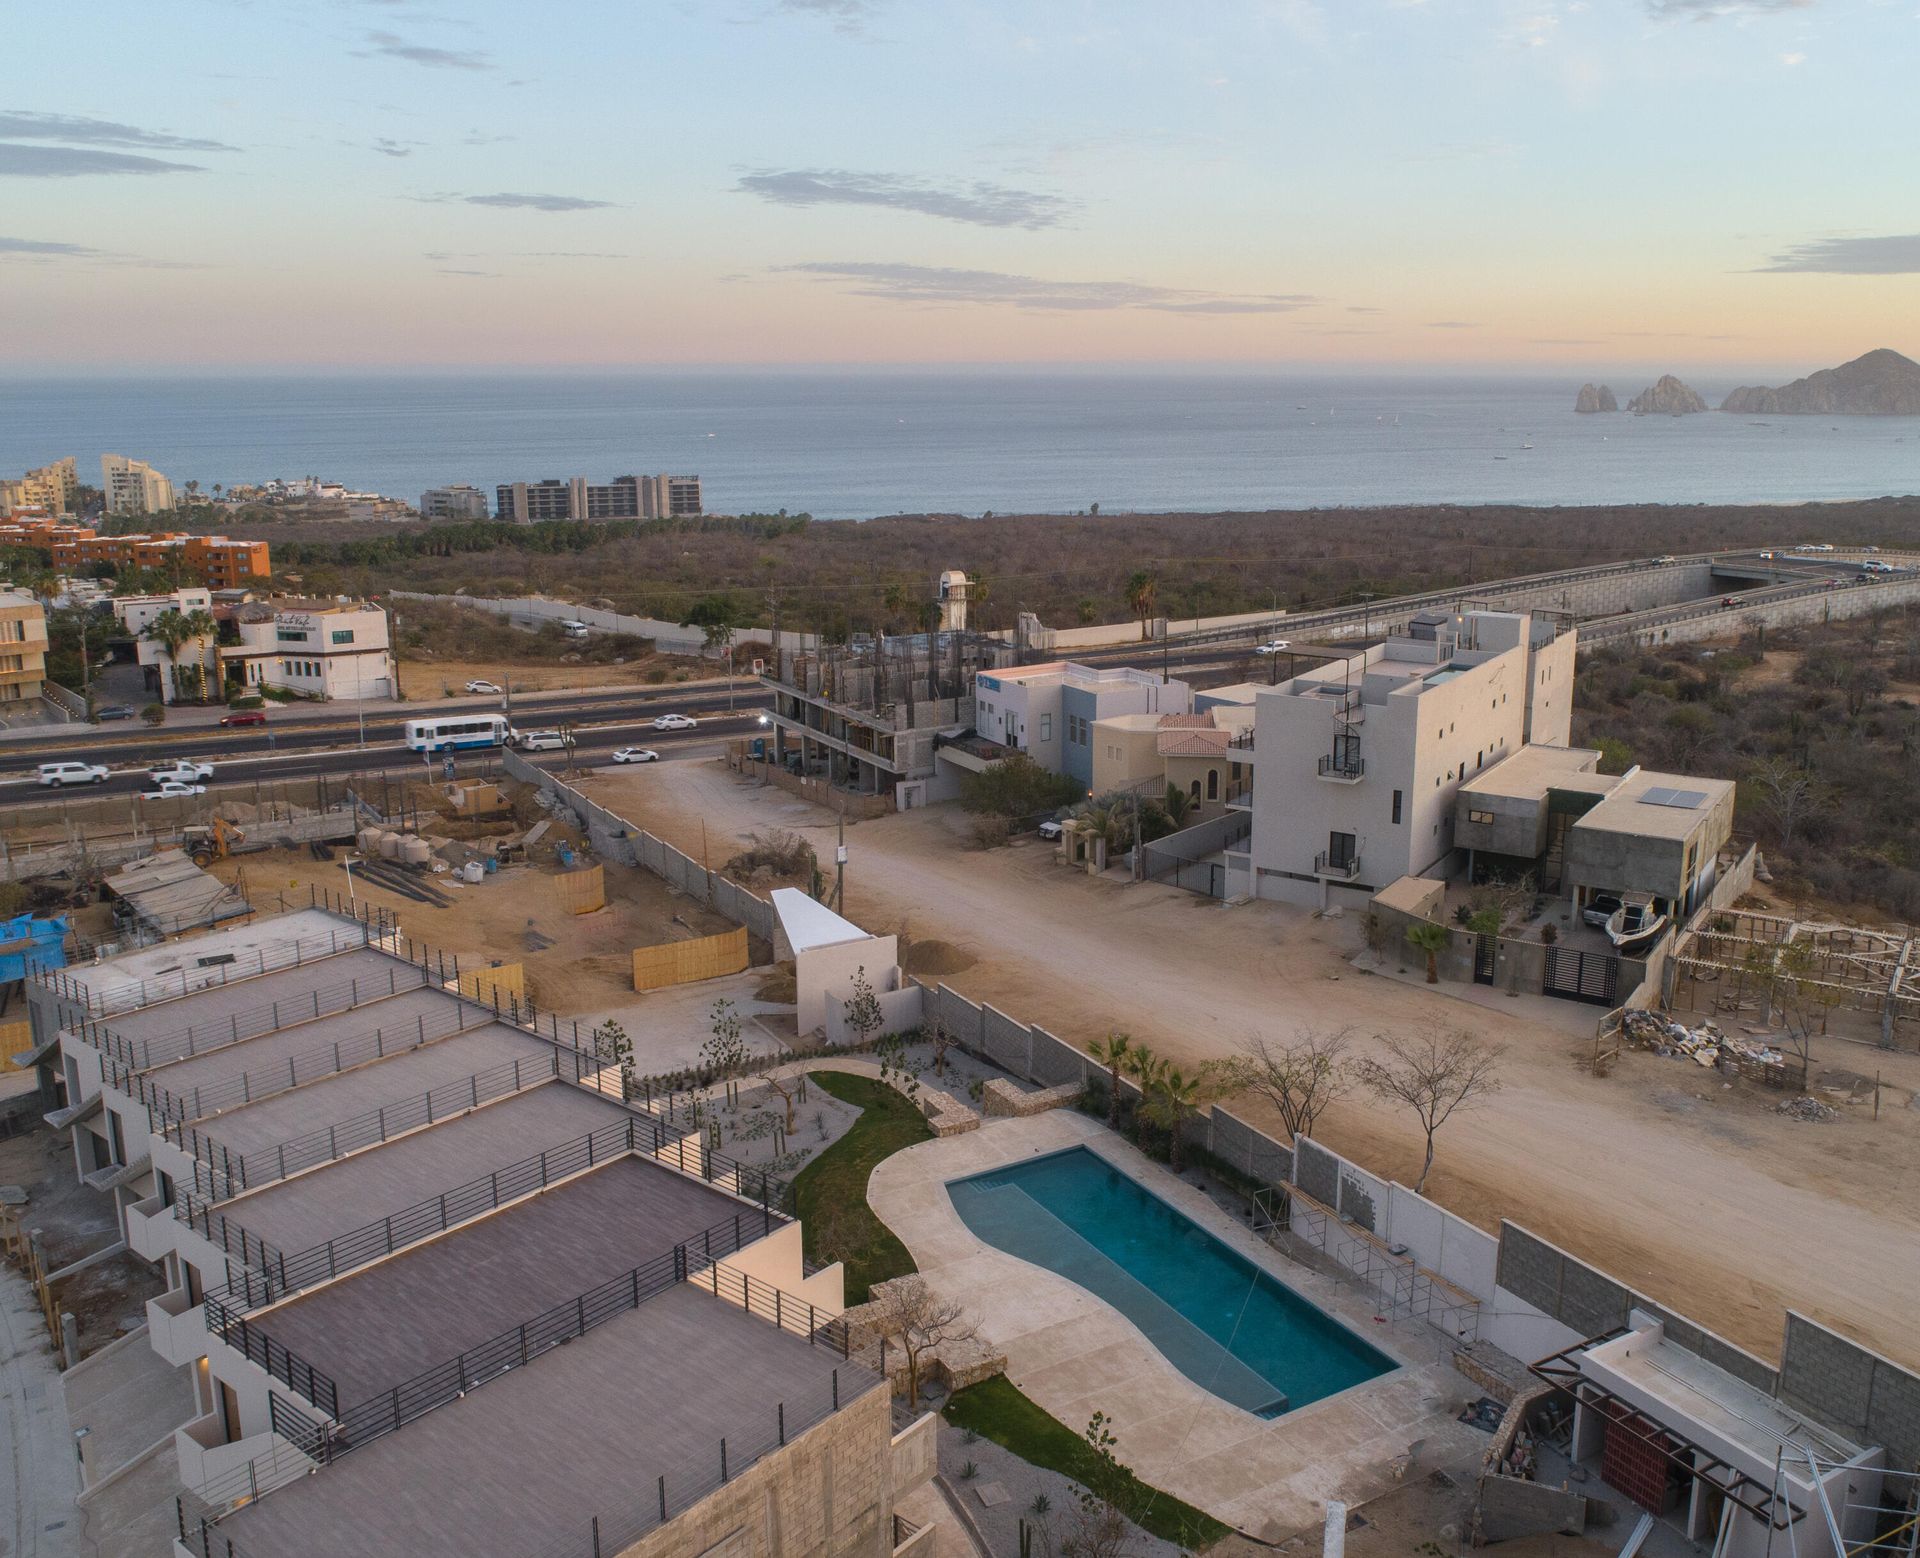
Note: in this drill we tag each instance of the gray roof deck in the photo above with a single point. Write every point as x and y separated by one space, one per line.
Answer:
209 1012
401 1019
158 973
523 1464
312 1208
373 1330
367 1088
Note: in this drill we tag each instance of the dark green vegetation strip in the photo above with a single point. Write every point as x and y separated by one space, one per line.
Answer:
830 1193
995 1409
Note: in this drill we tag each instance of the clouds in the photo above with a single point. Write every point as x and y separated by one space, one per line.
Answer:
980 203
41 248
92 147
16 125
931 285
507 200
848 16
1892 255
391 148
61 162
388 45
1710 10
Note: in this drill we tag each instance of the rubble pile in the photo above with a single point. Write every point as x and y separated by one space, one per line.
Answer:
1805 1108
1707 1045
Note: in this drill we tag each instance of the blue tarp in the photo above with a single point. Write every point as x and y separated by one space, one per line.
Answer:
24 939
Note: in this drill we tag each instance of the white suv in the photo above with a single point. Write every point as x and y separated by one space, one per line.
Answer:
542 741
57 774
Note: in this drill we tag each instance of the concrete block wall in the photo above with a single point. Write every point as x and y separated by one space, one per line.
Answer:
1797 611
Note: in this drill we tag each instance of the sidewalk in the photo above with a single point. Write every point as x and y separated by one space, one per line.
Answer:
39 1514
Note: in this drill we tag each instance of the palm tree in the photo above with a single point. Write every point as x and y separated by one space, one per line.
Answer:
1176 1097
1147 1069
894 598
1432 939
1142 589
1112 1052
1179 804
173 629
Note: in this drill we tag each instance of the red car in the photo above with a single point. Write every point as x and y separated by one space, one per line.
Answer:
244 717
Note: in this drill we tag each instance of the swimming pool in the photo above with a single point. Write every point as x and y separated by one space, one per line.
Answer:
1215 1316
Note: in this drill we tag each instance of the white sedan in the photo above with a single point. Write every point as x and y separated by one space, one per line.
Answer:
636 755
479 686
172 789
1273 646
675 722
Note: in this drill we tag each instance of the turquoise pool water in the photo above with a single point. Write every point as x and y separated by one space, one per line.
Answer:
1217 1318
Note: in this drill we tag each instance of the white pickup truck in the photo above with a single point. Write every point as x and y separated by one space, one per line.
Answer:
181 771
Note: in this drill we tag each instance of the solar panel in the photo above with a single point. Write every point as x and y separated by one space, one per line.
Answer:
1682 800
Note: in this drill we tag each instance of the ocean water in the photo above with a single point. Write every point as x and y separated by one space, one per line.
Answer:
846 445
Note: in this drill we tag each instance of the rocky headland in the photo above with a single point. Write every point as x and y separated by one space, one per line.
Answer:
1881 384
1595 397
1667 396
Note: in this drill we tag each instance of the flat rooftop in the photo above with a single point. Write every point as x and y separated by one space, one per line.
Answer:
308 1210
1691 1391
1533 770
1654 805
163 1033
367 1088
388 1322
177 966
523 1464
304 1050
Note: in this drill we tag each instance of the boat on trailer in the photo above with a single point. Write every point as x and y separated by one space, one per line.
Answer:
1635 926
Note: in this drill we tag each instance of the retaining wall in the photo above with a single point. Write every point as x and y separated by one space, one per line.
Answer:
614 838
1796 611
669 637
687 962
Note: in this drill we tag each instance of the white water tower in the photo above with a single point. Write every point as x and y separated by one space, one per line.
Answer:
952 595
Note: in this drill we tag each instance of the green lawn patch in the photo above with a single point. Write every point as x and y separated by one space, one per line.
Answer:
995 1409
830 1193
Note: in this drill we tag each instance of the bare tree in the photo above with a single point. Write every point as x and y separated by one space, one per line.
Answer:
1300 1076
610 1043
915 1319
1100 1529
1432 1075
1788 793
724 1052
863 1008
940 1037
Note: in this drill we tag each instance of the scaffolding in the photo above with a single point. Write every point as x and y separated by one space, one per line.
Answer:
1883 1522
1768 968
1404 1288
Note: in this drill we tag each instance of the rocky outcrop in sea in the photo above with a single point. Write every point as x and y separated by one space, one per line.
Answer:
1595 397
1667 396
1881 384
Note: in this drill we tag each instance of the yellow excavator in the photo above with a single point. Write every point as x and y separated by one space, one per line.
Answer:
215 841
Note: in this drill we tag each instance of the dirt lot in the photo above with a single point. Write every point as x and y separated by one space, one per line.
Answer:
587 968
1703 1197
427 678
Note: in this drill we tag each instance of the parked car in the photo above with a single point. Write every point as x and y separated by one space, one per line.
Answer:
1049 831
574 629
636 755
542 741
675 722
54 775
1273 646
484 686
1727 603
172 790
1600 908
113 711
1766 557
243 717
1666 557
182 770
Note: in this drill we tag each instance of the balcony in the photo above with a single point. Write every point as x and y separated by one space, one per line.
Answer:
1347 868
150 1228
176 1327
1343 768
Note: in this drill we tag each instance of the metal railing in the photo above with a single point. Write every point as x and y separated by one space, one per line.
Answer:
1327 864
269 1274
219 1173
200 1039
1334 766
133 994
1241 741
280 1361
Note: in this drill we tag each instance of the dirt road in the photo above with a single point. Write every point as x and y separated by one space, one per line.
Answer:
1702 1198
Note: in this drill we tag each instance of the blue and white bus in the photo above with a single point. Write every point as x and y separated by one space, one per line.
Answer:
453 731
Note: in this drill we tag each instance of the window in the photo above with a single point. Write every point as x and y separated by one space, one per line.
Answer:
1396 807
290 635
1480 816
1340 849
343 635
1213 784
1046 720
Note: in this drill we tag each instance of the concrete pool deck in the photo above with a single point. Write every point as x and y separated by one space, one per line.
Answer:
1075 1355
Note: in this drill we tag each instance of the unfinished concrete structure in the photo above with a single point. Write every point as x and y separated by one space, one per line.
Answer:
382 1208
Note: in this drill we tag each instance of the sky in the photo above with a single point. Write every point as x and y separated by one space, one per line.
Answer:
346 184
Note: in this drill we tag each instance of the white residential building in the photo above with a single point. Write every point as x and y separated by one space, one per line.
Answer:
1048 711
133 486
454 502
137 613
1357 763
319 649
